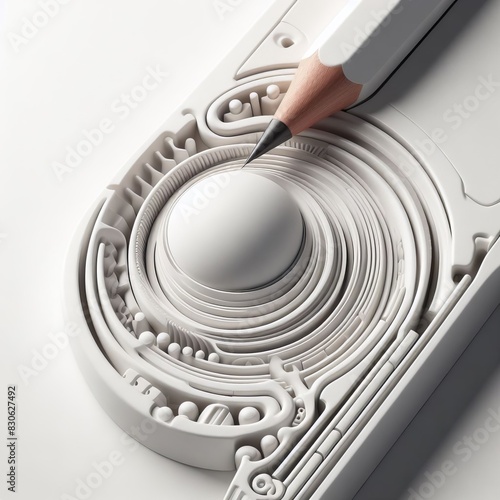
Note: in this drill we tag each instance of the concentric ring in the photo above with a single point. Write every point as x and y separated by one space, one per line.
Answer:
360 281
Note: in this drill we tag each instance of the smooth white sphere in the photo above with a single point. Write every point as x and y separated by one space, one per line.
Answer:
248 415
234 231
273 91
147 338
163 340
189 409
268 444
165 414
174 349
235 106
213 357
246 451
187 351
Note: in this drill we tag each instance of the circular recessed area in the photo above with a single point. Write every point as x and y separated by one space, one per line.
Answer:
356 277
234 231
285 41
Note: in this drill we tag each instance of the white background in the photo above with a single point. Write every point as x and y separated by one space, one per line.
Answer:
63 80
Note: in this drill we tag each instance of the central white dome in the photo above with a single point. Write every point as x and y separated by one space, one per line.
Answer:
235 231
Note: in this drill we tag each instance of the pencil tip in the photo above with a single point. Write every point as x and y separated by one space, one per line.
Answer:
275 134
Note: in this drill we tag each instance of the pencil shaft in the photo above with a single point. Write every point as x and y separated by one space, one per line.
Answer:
317 91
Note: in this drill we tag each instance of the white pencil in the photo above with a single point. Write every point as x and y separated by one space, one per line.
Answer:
355 54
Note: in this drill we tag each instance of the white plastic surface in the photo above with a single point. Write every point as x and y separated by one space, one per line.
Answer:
243 379
460 117
375 266
285 45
